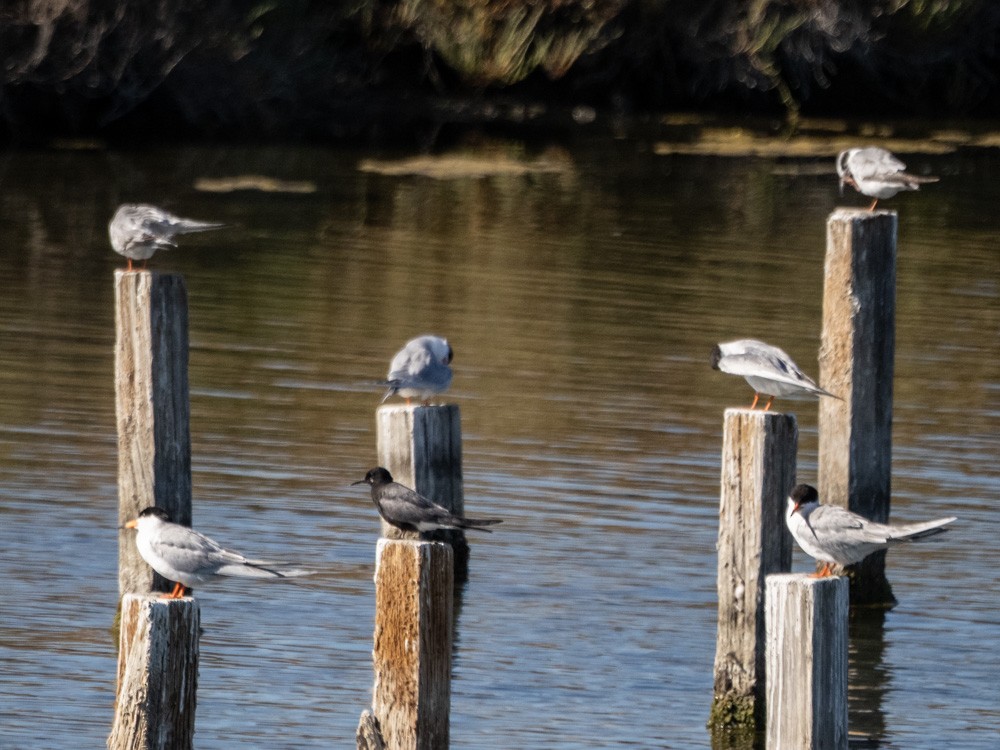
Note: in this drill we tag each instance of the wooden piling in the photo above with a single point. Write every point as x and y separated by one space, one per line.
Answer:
856 362
758 470
806 663
413 641
157 674
421 446
153 411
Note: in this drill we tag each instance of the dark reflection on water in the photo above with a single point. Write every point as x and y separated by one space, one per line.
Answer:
582 304
869 678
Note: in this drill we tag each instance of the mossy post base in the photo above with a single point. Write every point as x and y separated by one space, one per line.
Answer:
758 470
733 723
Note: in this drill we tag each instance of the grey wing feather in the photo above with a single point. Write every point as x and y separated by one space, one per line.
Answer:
404 367
765 364
401 512
403 505
874 162
188 550
836 522
831 522
409 362
191 552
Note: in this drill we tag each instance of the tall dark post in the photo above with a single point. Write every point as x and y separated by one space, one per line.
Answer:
153 411
856 363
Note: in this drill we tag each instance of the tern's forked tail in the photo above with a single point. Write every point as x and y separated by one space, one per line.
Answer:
478 524
911 531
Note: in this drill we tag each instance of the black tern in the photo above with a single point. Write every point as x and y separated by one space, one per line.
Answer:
137 230
189 559
766 368
410 511
420 369
834 535
875 172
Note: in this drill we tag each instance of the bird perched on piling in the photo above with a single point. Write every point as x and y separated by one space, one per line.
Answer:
189 559
138 230
420 369
766 368
836 536
875 172
410 511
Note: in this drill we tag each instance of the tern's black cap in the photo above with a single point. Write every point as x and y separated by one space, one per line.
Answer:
804 493
158 512
375 476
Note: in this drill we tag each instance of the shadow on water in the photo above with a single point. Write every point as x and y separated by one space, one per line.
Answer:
868 677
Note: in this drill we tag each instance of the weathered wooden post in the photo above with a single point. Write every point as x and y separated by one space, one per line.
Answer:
806 663
153 410
758 470
157 674
421 446
414 584
856 363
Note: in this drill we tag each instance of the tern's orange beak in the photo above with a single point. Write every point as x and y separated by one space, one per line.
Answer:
132 524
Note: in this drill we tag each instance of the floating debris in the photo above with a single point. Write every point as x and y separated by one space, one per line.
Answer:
457 166
252 182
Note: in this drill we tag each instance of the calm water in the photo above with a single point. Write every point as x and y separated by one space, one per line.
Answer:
581 301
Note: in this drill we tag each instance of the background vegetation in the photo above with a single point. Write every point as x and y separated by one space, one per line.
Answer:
312 67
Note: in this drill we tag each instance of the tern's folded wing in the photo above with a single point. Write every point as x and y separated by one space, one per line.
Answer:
872 162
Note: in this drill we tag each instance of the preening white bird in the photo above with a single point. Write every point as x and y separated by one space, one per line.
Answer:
420 369
875 172
138 230
767 369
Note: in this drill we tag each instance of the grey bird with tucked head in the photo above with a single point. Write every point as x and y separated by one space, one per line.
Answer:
875 172
410 511
420 369
138 230
766 368
836 536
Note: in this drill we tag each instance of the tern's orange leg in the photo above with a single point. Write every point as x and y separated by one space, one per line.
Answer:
756 398
177 592
872 206
129 264
769 402
825 572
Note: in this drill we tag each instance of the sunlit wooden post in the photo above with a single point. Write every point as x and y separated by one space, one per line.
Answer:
856 363
157 674
421 446
153 410
806 663
758 470
411 701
